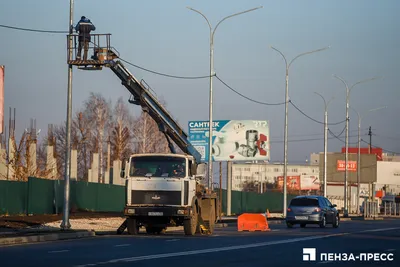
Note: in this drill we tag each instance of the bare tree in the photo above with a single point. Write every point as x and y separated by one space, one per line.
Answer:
121 145
81 141
147 135
98 111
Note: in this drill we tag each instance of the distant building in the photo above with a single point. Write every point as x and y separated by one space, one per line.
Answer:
271 175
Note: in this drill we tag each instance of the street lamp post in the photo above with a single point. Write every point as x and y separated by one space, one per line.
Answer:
359 154
65 224
348 90
325 140
212 32
286 120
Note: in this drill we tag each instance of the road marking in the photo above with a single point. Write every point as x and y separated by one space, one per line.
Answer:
172 240
323 262
389 250
58 251
379 230
221 249
122 245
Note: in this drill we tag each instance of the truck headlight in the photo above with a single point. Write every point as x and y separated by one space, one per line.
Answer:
181 212
131 211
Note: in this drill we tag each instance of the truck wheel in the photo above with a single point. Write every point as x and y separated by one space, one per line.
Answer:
190 225
133 227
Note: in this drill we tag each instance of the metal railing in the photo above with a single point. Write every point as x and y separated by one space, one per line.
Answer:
371 209
390 209
97 41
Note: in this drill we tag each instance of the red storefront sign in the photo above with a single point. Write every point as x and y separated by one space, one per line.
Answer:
351 165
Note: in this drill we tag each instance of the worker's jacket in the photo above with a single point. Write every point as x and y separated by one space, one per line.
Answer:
84 27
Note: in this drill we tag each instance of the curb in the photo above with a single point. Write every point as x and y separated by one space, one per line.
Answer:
44 237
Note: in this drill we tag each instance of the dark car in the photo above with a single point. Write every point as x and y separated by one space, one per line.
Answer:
305 210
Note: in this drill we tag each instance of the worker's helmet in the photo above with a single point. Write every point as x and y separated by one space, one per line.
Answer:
83 18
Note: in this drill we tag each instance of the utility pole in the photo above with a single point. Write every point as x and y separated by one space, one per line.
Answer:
325 141
65 222
212 73
220 191
285 137
370 140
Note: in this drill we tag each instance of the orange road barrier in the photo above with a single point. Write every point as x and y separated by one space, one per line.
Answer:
252 222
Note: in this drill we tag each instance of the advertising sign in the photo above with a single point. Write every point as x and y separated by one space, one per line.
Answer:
292 182
351 165
309 182
302 182
1 98
232 140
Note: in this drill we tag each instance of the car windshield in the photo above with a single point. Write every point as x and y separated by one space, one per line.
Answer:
304 202
154 166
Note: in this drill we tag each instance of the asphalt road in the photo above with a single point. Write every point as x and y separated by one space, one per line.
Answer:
279 247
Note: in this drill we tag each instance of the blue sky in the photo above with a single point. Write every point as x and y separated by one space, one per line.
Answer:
165 36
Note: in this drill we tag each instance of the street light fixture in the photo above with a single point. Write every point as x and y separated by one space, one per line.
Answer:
359 153
286 118
348 90
325 140
212 32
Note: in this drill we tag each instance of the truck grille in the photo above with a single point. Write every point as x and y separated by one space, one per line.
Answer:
156 197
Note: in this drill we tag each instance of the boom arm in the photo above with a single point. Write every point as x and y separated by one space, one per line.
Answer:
143 97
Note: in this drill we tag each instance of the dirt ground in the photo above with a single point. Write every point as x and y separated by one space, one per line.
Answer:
20 222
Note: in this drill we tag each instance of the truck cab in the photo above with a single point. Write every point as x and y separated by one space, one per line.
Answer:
165 190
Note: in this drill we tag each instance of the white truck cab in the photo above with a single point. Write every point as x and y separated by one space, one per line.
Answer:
162 191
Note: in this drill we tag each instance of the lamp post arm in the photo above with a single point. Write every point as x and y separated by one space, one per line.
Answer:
236 14
284 58
306 53
208 22
322 99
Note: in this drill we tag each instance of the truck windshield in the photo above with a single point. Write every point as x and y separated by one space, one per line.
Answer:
150 166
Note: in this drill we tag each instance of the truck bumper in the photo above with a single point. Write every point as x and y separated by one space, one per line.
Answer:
151 211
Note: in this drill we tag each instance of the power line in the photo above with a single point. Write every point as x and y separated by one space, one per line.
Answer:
163 74
337 137
336 123
381 147
66 32
248 98
30 30
310 134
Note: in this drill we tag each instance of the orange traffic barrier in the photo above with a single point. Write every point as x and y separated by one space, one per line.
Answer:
252 222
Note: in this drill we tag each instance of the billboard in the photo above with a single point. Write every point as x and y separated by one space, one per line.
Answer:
368 168
232 140
309 182
365 150
351 165
1 98
302 182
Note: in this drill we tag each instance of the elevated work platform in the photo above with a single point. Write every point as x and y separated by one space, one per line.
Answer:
103 55
99 52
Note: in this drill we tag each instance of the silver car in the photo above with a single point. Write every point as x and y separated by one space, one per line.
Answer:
305 210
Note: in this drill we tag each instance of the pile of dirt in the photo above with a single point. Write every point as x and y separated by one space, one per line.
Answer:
22 222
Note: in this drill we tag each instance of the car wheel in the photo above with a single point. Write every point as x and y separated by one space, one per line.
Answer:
336 222
322 223
303 225
289 225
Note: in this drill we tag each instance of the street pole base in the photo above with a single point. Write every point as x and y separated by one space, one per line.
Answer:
345 213
65 225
